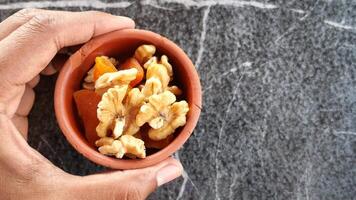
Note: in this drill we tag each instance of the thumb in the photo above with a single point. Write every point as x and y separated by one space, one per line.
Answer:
129 184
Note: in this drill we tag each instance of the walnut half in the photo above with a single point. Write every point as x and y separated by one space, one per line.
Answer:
122 77
157 80
117 111
155 111
175 118
111 111
158 76
163 61
126 144
144 53
163 114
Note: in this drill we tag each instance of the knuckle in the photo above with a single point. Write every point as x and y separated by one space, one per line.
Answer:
42 23
26 13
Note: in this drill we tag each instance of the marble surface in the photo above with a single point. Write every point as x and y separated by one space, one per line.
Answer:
279 104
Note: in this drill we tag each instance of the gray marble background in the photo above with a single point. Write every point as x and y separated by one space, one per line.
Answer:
279 105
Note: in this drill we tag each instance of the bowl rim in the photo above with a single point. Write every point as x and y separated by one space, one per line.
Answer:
62 111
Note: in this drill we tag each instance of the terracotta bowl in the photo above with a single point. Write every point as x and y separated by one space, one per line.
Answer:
123 42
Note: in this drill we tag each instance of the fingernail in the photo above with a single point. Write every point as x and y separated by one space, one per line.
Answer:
168 173
49 70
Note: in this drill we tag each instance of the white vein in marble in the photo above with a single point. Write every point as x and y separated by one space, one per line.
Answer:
297 10
202 37
345 133
186 178
221 130
289 30
339 25
191 3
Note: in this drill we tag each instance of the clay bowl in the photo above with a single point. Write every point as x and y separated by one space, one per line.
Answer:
123 42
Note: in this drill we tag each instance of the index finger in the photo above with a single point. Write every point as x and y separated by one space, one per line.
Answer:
29 49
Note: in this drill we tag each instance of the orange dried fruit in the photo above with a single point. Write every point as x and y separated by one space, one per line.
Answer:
86 102
103 65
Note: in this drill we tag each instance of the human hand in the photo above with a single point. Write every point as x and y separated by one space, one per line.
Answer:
29 40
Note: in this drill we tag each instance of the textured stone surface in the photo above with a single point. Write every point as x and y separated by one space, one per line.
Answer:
279 81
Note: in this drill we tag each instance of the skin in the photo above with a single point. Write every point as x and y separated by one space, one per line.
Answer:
29 40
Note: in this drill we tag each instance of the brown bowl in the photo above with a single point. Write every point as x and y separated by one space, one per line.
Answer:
123 42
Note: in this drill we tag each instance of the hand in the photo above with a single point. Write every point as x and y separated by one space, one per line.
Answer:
28 41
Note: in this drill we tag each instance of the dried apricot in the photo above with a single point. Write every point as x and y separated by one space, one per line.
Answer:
103 65
87 101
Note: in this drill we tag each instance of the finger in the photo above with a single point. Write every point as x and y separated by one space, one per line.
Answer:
26 103
16 20
32 83
55 65
130 184
45 34
12 143
12 99
21 123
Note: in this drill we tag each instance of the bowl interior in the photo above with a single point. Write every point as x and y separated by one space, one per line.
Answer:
122 46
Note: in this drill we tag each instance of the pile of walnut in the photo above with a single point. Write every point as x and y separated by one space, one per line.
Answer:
124 108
